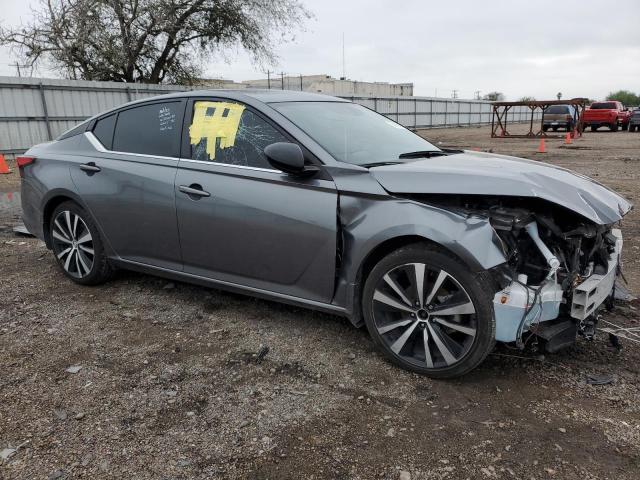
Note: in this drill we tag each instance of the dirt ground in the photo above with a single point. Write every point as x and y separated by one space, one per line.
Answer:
170 385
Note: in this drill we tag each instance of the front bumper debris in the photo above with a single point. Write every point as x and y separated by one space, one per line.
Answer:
519 306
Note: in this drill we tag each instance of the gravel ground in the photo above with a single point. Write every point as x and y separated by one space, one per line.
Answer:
169 382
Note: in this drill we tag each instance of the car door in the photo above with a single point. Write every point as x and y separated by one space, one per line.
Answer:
127 179
243 222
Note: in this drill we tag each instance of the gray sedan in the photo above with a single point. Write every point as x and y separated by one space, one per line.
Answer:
318 202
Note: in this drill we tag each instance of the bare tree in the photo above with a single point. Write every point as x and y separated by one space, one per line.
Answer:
150 41
527 99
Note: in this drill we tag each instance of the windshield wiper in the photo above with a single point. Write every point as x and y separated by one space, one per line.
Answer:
423 153
378 164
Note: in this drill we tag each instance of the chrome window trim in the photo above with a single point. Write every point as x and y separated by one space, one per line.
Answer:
258 169
98 146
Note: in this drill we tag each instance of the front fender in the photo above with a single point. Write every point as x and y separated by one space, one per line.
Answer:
367 223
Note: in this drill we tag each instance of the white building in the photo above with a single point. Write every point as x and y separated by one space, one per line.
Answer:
320 84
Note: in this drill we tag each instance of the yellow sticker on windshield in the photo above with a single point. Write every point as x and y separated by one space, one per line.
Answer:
213 121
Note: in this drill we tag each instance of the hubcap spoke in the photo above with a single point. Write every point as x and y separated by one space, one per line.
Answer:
418 269
86 249
64 252
461 308
75 226
427 350
442 276
393 326
78 269
396 288
85 238
83 262
454 326
448 357
402 339
381 297
58 236
67 219
67 262
61 230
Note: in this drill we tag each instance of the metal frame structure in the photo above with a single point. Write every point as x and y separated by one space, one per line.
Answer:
501 110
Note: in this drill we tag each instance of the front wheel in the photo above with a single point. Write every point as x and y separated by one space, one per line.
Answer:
625 126
613 127
77 245
428 313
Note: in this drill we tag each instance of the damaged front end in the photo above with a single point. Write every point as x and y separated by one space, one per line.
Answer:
561 269
560 272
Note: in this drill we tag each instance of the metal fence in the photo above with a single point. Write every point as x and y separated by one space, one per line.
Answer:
34 110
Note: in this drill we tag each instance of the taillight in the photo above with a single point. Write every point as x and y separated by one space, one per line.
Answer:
22 162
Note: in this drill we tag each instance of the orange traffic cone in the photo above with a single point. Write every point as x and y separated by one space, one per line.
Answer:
4 168
567 139
541 147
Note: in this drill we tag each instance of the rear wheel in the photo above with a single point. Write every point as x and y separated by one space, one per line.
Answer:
613 127
555 129
594 128
428 313
77 245
545 128
625 126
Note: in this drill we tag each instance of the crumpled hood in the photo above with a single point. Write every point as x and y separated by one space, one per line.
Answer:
476 173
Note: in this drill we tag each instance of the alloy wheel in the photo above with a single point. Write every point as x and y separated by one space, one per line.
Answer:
73 244
424 316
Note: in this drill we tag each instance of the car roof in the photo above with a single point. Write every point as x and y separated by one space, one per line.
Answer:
262 95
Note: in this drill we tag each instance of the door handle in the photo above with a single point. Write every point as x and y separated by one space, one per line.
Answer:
194 189
89 167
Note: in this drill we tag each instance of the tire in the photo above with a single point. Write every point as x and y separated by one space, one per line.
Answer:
77 245
632 128
625 126
555 129
613 127
545 128
456 343
594 128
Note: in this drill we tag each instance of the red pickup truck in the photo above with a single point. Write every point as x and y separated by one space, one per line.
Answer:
611 114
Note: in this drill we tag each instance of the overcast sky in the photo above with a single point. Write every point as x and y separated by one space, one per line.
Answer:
538 47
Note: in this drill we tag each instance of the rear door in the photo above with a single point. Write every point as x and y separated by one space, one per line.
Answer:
127 180
243 222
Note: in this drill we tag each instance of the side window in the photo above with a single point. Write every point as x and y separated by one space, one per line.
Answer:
103 130
228 132
150 129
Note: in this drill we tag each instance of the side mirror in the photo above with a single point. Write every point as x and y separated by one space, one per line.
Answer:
289 158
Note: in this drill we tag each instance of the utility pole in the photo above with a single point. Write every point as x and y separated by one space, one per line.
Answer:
269 79
344 68
300 82
454 93
282 80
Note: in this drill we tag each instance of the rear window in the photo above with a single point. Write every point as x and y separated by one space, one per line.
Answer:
555 109
150 129
103 130
604 106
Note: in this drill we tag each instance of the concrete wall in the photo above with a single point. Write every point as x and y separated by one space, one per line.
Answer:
36 110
